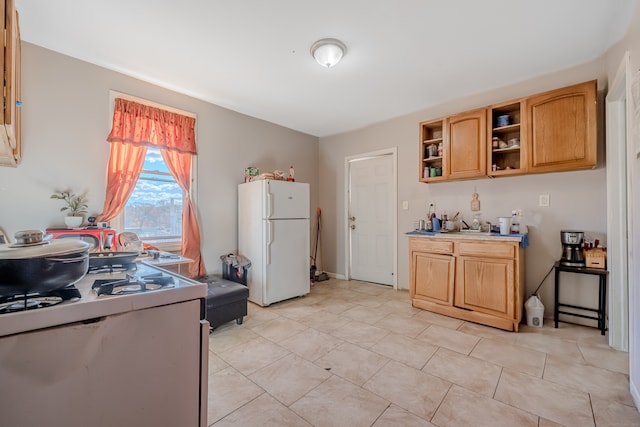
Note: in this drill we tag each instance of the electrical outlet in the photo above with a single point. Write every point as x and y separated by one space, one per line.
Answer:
405 205
544 200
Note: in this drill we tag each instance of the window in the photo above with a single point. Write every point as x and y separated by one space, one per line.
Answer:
154 210
135 127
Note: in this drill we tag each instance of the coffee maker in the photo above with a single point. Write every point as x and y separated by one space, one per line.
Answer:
572 248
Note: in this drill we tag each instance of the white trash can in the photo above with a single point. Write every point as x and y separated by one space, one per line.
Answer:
535 312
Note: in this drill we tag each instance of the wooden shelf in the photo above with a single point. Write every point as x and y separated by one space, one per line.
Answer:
432 159
506 150
432 141
509 128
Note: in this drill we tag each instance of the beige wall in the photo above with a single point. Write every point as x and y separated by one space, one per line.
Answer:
65 123
577 198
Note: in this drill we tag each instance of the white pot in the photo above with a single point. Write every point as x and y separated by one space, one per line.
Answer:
73 221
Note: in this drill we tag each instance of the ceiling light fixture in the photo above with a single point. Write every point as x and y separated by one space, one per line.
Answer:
328 52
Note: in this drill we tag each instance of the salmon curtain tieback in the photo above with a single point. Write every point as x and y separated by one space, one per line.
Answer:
135 127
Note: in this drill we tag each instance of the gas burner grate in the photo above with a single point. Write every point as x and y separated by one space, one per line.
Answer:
23 302
114 268
132 284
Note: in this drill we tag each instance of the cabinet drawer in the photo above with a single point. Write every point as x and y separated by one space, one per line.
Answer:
487 249
434 246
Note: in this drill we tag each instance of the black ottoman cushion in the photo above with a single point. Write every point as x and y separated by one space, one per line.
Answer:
226 301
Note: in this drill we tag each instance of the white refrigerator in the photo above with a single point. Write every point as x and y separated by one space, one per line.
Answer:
273 232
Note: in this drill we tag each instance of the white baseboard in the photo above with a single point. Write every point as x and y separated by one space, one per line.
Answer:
336 276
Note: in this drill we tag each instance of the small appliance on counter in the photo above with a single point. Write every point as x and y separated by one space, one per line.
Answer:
572 242
100 239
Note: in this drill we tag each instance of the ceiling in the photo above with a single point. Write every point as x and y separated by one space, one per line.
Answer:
252 56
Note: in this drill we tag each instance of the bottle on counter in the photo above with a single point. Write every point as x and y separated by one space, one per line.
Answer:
517 222
515 225
475 222
291 177
522 225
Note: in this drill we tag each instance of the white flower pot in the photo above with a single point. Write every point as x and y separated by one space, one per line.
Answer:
73 221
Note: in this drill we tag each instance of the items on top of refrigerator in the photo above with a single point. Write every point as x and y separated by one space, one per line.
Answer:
251 174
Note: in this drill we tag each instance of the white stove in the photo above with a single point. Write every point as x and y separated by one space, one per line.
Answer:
145 352
90 305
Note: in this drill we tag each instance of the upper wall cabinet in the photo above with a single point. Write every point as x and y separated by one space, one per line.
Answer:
465 147
563 131
432 137
453 148
10 132
549 132
506 139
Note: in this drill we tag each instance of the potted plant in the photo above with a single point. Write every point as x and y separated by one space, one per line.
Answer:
75 204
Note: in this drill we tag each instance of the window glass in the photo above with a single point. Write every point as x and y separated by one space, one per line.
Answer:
154 210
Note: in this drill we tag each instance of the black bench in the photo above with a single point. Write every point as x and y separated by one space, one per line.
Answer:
226 301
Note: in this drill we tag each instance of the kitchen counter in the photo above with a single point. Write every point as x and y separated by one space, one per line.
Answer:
91 306
477 277
470 235
167 260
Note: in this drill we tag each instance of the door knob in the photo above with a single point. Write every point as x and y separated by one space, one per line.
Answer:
353 226
352 218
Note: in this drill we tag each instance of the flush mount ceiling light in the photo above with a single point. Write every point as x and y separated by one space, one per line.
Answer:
328 52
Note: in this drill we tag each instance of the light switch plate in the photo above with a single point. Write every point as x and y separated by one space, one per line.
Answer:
544 200
405 205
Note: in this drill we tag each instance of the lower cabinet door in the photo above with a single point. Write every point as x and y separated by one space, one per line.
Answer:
434 275
486 285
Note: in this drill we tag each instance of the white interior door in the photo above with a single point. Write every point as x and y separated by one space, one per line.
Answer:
623 220
618 191
371 218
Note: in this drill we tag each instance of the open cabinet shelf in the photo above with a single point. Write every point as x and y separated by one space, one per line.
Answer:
505 139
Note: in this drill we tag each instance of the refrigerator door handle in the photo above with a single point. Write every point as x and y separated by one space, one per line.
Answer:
269 241
269 204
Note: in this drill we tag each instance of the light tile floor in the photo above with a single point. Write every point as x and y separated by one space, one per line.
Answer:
357 354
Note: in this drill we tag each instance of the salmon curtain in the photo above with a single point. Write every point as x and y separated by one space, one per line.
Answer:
125 164
180 167
136 126
140 124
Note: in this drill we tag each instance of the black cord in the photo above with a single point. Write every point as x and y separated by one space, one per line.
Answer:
545 278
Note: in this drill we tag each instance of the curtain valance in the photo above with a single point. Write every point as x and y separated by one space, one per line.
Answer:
139 124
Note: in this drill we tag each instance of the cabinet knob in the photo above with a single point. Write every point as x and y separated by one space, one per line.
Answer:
352 218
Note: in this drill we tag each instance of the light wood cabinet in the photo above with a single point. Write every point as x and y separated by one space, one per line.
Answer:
453 148
548 132
486 285
465 147
506 139
563 129
476 280
10 129
432 137
432 270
